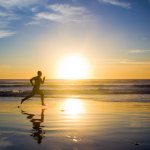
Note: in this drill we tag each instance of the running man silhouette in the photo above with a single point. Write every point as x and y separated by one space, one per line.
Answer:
36 87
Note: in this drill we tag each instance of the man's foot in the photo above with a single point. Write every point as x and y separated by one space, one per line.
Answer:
22 101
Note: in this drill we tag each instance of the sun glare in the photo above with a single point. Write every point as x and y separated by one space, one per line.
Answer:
73 106
73 67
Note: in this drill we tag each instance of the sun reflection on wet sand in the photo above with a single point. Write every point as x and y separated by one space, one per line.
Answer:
73 123
72 107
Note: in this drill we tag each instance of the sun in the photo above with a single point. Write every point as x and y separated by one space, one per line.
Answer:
73 67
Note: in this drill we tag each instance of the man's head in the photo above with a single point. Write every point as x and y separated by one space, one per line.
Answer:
39 73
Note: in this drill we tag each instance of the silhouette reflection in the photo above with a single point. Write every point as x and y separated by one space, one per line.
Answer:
37 131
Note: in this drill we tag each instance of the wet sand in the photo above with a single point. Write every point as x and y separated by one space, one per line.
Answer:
74 124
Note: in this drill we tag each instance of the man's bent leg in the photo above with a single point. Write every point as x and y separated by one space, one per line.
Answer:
27 97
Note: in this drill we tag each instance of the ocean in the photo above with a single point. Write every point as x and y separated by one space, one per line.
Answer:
121 89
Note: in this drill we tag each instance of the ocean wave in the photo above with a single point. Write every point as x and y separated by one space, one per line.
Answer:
20 93
78 87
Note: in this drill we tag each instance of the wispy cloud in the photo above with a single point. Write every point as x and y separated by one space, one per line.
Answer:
8 15
17 3
137 51
6 18
34 12
125 62
34 9
65 13
4 14
116 61
6 33
119 3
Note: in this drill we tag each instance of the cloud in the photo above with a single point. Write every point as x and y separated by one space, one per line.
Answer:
118 3
125 62
9 15
65 13
34 9
6 33
17 3
32 23
116 61
36 12
4 14
7 18
139 51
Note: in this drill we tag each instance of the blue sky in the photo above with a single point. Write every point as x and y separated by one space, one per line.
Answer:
106 31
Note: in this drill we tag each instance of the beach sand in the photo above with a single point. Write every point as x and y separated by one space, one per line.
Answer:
74 124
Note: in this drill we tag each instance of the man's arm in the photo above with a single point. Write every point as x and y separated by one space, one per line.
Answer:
43 80
31 81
